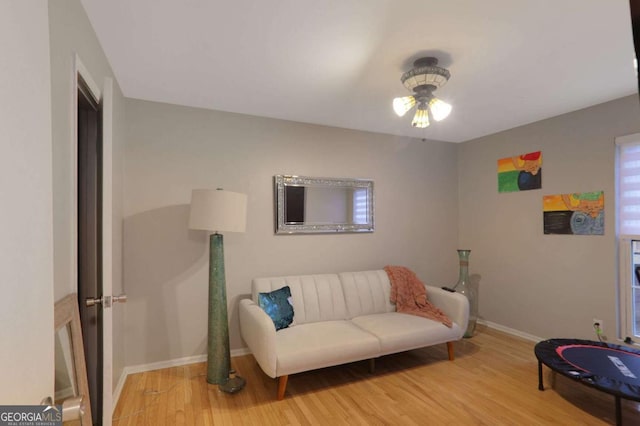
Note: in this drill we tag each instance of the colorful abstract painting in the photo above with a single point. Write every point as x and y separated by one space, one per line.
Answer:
520 173
574 214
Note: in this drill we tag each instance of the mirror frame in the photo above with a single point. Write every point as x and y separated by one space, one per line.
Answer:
280 181
66 312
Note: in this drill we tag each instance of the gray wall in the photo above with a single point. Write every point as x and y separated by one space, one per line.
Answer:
545 285
26 228
170 150
71 33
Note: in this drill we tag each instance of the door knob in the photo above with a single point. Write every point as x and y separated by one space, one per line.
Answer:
105 301
92 301
122 298
73 408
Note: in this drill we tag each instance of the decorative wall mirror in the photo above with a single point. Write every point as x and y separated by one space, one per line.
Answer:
306 205
71 385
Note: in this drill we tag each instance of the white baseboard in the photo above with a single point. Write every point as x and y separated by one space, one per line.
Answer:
118 390
510 330
141 368
132 369
240 352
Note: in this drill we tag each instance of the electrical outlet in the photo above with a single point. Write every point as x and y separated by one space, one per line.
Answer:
598 327
600 324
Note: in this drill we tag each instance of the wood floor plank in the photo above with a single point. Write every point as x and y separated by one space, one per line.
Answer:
492 381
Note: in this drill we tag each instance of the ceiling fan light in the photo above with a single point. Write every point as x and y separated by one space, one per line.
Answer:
425 71
422 80
402 105
439 109
421 119
436 80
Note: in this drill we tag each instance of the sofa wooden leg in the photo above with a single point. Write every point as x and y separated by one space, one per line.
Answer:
450 350
372 365
282 386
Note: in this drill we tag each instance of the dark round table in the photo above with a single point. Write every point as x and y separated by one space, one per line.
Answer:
613 369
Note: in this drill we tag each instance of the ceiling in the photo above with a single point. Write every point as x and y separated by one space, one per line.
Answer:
338 62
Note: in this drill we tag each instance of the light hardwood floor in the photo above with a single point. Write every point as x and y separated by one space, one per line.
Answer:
492 381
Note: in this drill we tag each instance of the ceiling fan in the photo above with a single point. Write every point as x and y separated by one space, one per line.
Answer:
422 80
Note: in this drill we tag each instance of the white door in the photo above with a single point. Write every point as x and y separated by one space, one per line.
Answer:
107 251
105 300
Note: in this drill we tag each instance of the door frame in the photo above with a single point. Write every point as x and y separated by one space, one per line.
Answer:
105 97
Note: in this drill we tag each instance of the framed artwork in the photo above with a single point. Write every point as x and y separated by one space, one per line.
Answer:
574 214
520 173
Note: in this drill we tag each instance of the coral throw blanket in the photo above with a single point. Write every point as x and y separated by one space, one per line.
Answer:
410 295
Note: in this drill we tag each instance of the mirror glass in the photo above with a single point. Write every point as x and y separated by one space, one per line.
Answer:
323 205
71 386
65 380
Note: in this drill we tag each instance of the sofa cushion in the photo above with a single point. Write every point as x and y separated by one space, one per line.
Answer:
401 332
366 292
322 344
315 297
277 304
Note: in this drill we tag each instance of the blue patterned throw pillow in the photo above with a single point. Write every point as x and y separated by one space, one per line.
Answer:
278 306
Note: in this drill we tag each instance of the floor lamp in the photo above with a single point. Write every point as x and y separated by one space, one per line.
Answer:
218 211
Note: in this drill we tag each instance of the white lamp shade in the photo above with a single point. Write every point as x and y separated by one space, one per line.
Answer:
421 119
402 105
439 109
218 210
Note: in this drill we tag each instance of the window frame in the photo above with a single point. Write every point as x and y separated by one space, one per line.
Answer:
624 243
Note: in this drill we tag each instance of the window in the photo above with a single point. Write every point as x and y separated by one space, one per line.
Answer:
628 232
360 203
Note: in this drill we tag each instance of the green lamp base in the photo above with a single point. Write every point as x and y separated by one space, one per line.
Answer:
218 355
233 384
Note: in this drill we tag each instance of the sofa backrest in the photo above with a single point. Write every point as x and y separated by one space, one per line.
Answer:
366 292
315 297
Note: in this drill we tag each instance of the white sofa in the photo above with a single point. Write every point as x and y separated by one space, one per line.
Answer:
342 318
